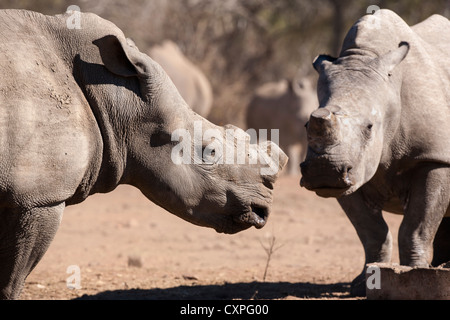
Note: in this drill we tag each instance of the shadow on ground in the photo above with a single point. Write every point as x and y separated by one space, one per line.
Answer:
229 291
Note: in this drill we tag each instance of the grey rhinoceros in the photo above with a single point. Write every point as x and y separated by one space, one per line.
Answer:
190 81
380 139
82 110
284 105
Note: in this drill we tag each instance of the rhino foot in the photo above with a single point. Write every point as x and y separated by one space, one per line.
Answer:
358 286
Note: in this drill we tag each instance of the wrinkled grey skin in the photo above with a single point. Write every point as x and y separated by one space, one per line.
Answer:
380 139
82 111
192 84
286 106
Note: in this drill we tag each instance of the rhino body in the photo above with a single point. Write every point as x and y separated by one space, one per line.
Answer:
380 139
190 81
286 106
82 111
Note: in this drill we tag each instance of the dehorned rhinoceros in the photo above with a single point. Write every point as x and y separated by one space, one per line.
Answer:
380 139
190 81
83 110
285 106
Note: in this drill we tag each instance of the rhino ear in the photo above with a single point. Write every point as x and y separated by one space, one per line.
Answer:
120 58
321 61
393 58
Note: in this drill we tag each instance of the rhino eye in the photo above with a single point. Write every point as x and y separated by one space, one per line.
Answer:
209 155
368 131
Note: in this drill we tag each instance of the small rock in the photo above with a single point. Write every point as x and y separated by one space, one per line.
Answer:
189 277
132 223
135 261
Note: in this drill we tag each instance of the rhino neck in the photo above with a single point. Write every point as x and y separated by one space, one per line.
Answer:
108 96
113 160
113 105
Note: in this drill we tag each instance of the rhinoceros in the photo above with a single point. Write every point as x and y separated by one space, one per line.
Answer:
82 110
284 105
190 81
380 139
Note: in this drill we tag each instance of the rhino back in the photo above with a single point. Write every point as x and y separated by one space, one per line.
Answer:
47 131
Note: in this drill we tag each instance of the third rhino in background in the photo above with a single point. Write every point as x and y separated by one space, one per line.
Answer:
286 106
190 81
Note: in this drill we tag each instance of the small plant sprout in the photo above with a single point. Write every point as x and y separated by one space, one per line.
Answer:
270 249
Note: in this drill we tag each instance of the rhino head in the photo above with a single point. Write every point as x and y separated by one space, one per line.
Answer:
348 132
178 158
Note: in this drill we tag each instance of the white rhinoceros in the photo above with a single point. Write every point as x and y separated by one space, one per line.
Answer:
81 111
284 105
380 139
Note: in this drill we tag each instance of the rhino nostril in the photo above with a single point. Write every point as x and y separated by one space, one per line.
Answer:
268 184
346 175
261 212
260 215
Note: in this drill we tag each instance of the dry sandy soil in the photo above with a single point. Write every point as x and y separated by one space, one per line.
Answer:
128 248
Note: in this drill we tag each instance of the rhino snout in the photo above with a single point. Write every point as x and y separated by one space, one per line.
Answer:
326 179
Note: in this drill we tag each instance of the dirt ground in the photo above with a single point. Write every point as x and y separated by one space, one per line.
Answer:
128 248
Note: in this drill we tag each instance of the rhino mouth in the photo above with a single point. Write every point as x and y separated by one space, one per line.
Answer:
328 192
256 216
327 183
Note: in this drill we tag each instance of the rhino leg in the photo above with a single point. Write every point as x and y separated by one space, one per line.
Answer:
429 198
373 232
441 244
24 238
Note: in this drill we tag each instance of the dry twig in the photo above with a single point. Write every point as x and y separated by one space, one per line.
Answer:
270 250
